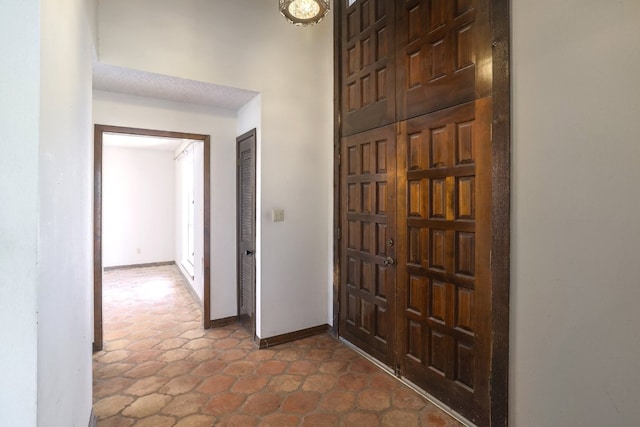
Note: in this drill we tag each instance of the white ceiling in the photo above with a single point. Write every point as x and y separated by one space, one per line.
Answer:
145 142
141 83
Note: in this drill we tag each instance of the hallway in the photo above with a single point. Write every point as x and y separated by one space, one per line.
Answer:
159 368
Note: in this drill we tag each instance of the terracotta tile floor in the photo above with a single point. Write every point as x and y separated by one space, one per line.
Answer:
159 368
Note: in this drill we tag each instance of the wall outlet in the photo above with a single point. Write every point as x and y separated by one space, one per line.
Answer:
277 215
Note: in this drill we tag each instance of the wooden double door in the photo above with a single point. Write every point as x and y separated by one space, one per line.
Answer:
422 198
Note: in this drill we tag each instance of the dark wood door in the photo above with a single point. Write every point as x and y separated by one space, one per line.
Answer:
368 176
442 322
444 205
368 74
246 220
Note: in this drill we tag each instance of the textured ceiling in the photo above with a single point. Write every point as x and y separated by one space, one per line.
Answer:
134 82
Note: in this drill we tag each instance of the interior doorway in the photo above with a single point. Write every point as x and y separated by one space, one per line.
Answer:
246 202
99 135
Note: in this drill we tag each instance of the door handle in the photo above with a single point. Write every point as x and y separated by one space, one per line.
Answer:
388 261
249 252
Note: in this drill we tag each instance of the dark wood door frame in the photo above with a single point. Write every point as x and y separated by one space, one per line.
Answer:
99 131
251 137
500 23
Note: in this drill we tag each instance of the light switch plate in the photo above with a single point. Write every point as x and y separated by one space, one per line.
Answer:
277 215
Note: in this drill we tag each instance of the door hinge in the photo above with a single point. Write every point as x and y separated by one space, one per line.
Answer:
339 233
339 159
397 371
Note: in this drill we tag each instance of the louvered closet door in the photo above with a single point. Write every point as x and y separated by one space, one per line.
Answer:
246 187
443 263
368 177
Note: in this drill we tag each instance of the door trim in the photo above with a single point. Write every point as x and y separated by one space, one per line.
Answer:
337 147
252 134
99 131
500 210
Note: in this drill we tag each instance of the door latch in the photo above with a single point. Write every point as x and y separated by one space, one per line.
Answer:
388 261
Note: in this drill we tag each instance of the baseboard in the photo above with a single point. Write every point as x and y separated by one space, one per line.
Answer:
292 336
150 264
188 277
189 287
93 420
216 323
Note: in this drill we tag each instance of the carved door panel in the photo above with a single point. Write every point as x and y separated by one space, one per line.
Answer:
367 224
444 205
443 47
368 71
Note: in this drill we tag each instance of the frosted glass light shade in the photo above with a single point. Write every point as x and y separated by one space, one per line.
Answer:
304 12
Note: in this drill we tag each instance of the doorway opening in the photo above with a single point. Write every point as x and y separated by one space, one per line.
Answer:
102 131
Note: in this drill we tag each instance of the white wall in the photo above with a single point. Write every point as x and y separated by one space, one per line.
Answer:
575 346
64 304
19 140
248 44
45 231
224 290
132 111
138 203
45 275
196 281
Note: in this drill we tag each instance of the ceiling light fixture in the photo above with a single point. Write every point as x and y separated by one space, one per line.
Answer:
304 12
